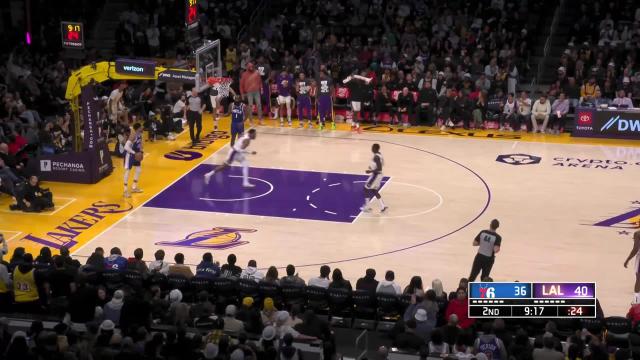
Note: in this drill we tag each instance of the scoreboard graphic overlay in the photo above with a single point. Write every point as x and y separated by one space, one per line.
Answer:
532 300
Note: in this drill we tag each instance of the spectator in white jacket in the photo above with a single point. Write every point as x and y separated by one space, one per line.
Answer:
159 265
388 285
540 112
251 272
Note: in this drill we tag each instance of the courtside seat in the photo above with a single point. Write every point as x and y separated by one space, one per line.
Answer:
199 284
133 279
317 299
364 303
269 290
224 290
112 280
293 294
618 329
180 282
388 311
341 98
248 287
340 307
158 279
593 325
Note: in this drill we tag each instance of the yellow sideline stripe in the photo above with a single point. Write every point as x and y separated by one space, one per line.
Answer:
158 172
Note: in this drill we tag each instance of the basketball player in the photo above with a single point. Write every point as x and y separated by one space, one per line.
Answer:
488 242
325 99
264 70
284 82
237 153
217 92
303 88
238 114
635 251
358 88
133 158
115 104
372 186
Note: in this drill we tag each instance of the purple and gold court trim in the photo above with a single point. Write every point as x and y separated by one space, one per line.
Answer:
293 194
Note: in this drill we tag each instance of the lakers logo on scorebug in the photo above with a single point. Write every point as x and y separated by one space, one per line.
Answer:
218 238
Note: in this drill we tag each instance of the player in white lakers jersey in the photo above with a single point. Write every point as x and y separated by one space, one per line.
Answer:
635 252
372 186
237 154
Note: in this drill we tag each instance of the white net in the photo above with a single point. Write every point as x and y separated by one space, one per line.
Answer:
208 63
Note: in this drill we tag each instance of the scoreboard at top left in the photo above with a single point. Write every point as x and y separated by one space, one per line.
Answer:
191 14
72 34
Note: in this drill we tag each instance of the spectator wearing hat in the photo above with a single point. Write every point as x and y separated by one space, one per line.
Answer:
250 316
540 112
231 324
179 268
559 111
159 265
424 325
178 313
368 282
269 312
268 342
112 309
323 280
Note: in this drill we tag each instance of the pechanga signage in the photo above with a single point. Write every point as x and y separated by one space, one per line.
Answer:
136 67
68 231
607 123
187 153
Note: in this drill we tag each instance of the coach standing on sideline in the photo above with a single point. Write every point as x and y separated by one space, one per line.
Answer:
250 88
193 114
488 242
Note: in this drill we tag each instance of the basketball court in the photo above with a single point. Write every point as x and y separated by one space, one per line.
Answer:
567 209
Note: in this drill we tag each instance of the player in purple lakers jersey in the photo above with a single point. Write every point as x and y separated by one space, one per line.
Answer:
284 82
133 159
303 88
325 99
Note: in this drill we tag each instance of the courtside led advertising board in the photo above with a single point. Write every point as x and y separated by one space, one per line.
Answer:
532 300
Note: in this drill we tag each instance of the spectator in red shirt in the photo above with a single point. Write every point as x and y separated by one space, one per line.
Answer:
459 306
16 143
634 314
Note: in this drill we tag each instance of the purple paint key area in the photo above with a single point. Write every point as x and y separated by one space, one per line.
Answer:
291 194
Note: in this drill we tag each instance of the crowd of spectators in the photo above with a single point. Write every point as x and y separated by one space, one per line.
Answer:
599 66
123 318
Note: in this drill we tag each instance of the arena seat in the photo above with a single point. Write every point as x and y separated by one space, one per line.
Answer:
248 287
317 299
388 312
364 303
340 307
269 290
133 279
112 280
618 329
199 284
293 294
224 291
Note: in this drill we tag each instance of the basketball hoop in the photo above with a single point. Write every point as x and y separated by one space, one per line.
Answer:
222 84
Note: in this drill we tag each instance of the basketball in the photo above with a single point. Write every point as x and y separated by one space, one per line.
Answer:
138 156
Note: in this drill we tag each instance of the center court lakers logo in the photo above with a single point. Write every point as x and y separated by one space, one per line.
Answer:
519 159
218 238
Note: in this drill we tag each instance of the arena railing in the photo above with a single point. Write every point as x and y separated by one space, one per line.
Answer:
547 44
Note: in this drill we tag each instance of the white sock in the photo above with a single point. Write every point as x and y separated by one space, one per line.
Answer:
136 176
126 180
636 298
245 174
210 173
382 206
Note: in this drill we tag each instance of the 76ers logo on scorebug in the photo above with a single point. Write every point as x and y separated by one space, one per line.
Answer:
487 292
218 238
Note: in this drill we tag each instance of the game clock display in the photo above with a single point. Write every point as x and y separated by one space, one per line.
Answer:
532 300
72 35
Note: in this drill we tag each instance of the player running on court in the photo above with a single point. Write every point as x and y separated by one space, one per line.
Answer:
133 159
237 154
303 88
358 89
238 114
373 184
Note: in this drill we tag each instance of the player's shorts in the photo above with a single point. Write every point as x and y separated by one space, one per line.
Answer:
236 156
284 100
215 100
130 161
356 106
373 182
237 128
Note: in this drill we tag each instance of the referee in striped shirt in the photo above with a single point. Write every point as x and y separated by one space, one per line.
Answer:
193 114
